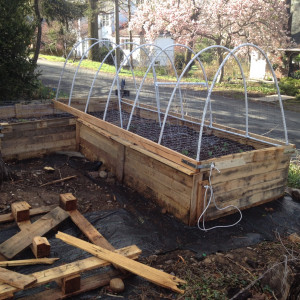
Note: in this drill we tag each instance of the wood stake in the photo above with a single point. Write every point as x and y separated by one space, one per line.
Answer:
59 180
153 275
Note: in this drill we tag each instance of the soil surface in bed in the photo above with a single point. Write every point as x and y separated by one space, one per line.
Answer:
182 139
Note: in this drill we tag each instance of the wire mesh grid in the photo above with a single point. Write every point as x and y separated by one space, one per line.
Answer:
178 137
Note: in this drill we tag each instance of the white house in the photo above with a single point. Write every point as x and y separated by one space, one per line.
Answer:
106 31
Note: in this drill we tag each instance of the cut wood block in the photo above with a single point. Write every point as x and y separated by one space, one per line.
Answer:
20 211
32 212
69 269
71 284
40 247
15 279
153 275
23 239
67 201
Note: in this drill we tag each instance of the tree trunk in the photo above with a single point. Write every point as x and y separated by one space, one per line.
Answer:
130 32
39 31
93 29
5 173
188 57
220 60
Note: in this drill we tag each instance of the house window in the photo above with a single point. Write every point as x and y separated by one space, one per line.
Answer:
105 20
126 46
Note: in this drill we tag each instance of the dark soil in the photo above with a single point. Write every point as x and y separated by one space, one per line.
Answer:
44 117
215 276
180 138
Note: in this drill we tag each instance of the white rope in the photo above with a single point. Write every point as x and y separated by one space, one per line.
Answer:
212 197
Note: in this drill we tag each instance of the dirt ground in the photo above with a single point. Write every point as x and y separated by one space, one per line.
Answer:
269 270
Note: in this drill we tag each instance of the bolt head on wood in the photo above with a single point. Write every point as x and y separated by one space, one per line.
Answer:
20 211
40 247
117 285
67 201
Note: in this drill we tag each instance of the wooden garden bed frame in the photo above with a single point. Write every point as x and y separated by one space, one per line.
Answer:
175 181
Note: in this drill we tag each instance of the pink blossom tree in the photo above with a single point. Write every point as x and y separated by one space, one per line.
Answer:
225 22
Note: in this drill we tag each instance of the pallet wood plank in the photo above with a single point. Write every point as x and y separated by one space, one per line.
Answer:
153 275
247 181
69 269
15 279
244 203
89 230
28 262
22 239
163 200
87 284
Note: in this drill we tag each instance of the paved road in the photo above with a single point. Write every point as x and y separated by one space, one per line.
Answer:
264 118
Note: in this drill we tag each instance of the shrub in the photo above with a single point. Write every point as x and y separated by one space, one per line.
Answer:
296 74
179 60
290 86
294 172
103 51
17 70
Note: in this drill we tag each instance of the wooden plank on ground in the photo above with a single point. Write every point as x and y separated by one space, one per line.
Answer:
15 279
32 212
153 275
28 262
89 230
69 269
87 284
23 239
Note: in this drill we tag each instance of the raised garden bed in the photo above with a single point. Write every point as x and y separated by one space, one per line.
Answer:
176 181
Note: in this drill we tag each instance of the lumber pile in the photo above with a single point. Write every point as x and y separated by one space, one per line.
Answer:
67 276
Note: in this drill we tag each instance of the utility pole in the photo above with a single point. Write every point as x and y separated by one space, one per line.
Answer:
117 30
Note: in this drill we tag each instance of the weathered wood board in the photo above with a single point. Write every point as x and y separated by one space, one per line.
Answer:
35 138
153 275
15 279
